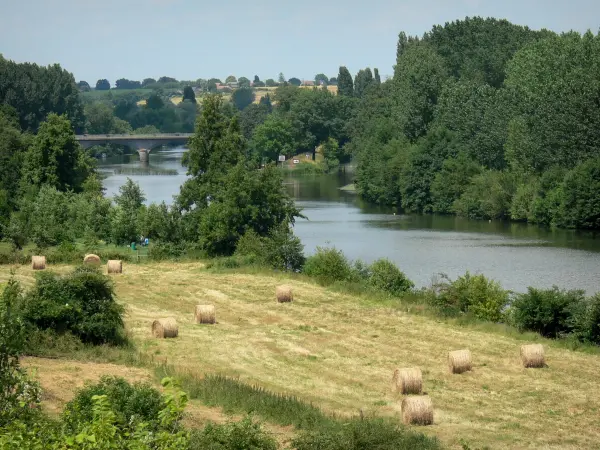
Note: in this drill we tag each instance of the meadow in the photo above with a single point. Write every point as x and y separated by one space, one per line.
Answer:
337 351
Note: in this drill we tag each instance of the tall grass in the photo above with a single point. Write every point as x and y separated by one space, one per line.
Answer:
237 397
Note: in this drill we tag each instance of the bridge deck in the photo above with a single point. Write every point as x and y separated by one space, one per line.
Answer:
134 137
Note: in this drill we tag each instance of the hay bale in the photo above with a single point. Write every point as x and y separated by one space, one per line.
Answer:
165 328
38 262
459 361
417 410
532 355
115 266
408 381
205 314
91 259
284 294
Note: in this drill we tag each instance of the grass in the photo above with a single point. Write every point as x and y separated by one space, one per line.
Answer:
337 351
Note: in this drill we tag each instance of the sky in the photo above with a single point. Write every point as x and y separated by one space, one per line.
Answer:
191 39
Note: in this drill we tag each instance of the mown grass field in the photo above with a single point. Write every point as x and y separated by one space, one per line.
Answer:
338 351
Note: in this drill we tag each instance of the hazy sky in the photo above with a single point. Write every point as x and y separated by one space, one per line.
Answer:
190 39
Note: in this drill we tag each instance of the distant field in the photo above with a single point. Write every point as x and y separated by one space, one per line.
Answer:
339 350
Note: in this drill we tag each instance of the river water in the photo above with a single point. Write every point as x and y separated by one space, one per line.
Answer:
516 255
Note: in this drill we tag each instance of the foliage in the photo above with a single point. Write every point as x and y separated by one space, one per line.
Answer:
580 203
499 188
295 81
188 94
131 404
55 157
81 303
34 92
272 138
328 265
385 276
102 85
359 434
549 312
124 83
237 397
280 250
345 83
17 394
362 81
245 434
472 294
242 97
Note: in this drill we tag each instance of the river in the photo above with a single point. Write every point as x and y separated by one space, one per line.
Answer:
516 255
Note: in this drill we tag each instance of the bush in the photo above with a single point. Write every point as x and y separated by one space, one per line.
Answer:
328 265
244 434
550 312
385 276
358 434
280 250
131 403
17 393
81 303
473 294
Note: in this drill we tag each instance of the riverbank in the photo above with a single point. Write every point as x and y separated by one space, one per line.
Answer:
338 350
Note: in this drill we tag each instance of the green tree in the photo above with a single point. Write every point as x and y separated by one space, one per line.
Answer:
376 76
99 118
243 82
124 83
84 86
102 85
419 77
580 204
13 146
363 79
230 79
554 85
188 94
270 82
155 102
126 221
34 92
273 138
451 181
321 78
55 157
148 81
242 97
295 81
281 78
345 83
252 116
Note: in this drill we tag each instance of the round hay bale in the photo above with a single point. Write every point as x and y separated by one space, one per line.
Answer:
408 381
205 314
284 294
459 361
115 266
91 259
38 262
165 328
417 410
532 355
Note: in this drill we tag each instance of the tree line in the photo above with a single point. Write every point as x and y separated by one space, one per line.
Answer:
488 120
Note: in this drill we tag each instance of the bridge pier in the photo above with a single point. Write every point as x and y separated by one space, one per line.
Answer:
144 154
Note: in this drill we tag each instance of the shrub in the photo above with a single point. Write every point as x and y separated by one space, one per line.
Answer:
17 393
81 303
245 434
328 265
385 276
473 294
131 403
550 312
592 330
280 250
358 434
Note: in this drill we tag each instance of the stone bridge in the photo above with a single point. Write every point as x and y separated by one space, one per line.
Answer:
143 143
